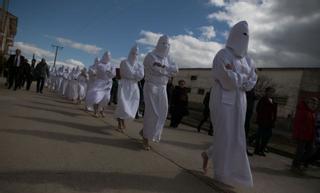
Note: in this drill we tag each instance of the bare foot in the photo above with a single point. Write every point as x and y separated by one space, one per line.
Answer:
102 114
204 162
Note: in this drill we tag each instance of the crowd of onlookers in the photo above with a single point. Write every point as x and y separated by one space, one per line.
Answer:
20 73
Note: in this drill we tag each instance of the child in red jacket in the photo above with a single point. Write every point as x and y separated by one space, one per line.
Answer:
304 131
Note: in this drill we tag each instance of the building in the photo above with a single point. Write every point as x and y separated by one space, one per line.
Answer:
291 84
8 30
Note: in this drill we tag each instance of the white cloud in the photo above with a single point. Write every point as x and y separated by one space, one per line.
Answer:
189 32
71 63
218 3
207 32
29 49
186 51
91 49
282 33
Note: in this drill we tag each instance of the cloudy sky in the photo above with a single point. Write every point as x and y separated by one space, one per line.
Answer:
283 33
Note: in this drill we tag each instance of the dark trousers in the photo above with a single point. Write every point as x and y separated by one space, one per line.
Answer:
40 84
303 153
14 76
176 118
29 81
262 138
206 116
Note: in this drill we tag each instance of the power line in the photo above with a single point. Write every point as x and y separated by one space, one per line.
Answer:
56 53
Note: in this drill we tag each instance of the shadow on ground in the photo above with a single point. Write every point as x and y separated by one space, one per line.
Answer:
99 181
119 143
79 126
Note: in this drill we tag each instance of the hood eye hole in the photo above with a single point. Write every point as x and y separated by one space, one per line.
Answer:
245 34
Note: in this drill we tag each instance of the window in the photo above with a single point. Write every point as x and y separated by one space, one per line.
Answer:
193 77
201 91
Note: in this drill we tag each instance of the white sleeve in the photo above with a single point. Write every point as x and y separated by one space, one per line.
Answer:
138 72
252 78
149 66
229 79
172 68
111 71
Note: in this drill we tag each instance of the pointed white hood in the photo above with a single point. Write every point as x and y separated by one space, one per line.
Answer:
163 46
106 57
238 39
133 55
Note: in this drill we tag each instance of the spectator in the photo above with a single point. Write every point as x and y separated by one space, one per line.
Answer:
266 117
170 88
41 73
304 132
179 104
14 68
206 114
27 77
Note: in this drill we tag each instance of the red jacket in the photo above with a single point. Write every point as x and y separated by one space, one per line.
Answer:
304 123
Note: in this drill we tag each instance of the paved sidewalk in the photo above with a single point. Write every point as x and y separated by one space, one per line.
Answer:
48 145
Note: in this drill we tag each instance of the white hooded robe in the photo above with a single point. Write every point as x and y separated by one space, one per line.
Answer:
228 108
157 69
100 91
128 90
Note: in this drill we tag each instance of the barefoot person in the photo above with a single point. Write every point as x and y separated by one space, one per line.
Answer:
157 69
233 74
128 92
99 95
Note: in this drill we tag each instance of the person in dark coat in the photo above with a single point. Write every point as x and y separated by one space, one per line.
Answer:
31 76
251 98
26 74
179 103
41 73
266 118
14 64
206 114
304 129
170 88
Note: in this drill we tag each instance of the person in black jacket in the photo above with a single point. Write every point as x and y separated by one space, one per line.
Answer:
26 74
179 104
266 117
41 73
14 64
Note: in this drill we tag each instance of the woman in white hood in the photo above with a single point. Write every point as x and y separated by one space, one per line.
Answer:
82 85
99 94
128 92
157 69
74 85
65 80
233 74
92 77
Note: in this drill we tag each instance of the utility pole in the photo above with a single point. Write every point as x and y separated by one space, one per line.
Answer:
56 53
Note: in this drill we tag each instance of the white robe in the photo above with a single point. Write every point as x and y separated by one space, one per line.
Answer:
73 85
228 110
64 83
99 93
92 78
59 80
155 95
128 90
82 90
